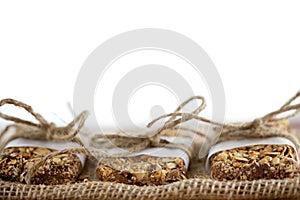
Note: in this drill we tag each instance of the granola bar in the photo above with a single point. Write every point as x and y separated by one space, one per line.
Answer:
142 170
254 162
61 169
150 166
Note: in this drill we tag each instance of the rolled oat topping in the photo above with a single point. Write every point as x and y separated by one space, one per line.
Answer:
61 169
142 170
254 162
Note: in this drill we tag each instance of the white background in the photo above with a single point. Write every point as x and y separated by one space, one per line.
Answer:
255 46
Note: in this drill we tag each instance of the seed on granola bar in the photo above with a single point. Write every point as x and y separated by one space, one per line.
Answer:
142 170
61 169
256 162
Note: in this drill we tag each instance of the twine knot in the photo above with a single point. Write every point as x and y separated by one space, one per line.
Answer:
258 127
155 140
257 123
50 130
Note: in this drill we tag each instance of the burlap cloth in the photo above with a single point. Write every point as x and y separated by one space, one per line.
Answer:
192 188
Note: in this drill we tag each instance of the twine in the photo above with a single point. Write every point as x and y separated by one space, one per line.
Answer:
266 126
137 144
43 130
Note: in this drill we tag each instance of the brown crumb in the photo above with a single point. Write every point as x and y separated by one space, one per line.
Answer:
61 169
141 170
254 162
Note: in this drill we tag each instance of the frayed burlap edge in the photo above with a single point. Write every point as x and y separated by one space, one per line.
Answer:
187 189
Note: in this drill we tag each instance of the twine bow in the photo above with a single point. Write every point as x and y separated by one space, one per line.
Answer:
137 144
270 125
43 130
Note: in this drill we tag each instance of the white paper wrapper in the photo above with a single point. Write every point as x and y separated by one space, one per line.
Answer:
226 145
163 152
51 117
